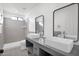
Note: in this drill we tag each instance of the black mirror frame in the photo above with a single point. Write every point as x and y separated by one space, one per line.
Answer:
78 18
43 23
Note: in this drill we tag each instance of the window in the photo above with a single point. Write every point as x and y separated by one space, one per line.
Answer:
20 19
0 28
1 19
14 18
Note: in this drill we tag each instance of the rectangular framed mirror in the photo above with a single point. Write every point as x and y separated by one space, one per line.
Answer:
65 22
39 24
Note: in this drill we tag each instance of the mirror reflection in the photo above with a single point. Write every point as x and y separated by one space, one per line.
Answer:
39 25
66 22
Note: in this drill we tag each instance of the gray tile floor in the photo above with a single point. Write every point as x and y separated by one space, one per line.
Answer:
17 51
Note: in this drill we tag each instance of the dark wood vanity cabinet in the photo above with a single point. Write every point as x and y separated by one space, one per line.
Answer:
29 45
44 53
37 49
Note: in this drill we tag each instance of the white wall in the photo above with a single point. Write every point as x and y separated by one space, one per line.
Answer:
45 9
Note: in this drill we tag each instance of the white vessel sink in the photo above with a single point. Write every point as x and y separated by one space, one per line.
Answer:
33 35
65 45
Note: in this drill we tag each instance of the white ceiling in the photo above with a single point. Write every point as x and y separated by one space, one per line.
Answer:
17 8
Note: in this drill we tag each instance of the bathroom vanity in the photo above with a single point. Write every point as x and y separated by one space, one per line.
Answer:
41 49
65 39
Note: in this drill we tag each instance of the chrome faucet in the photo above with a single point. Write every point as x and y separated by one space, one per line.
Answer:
42 36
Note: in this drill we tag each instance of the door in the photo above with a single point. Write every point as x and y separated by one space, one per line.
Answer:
13 30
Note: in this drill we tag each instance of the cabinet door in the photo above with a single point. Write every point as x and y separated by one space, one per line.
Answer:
36 50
